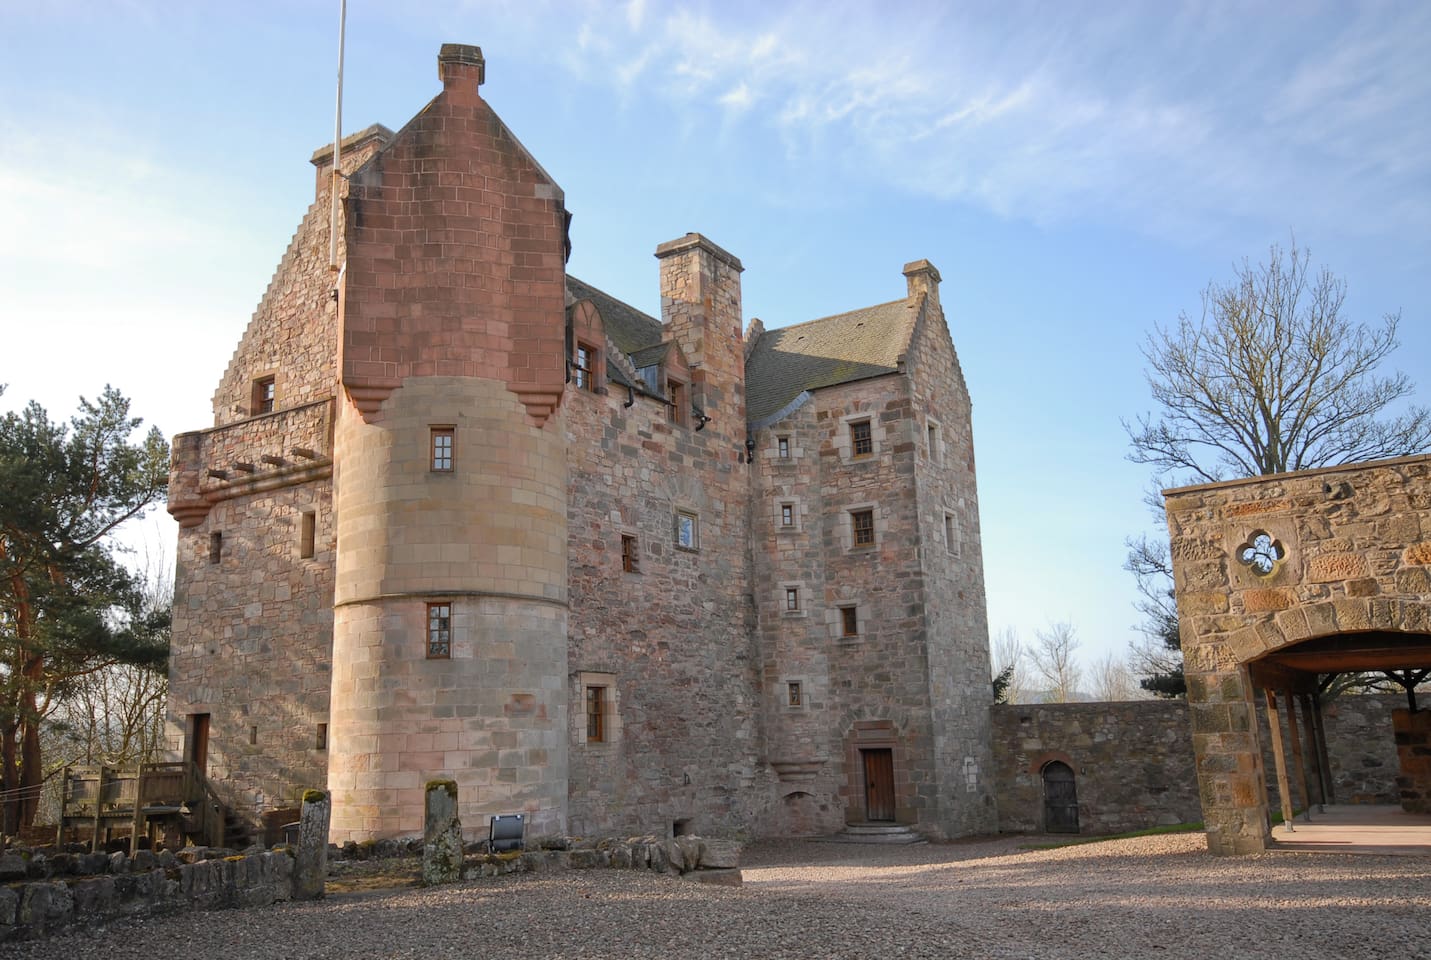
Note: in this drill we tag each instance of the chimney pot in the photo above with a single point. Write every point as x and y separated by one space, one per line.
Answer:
460 61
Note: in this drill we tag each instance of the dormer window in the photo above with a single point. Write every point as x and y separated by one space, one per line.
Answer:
584 370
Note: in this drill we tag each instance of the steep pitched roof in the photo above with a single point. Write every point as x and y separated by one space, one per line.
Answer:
626 327
822 353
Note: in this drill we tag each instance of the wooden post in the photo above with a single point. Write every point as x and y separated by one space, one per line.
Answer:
1284 789
1314 754
1299 767
1328 784
138 819
98 807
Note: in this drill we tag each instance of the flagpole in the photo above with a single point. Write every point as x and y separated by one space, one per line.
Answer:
337 144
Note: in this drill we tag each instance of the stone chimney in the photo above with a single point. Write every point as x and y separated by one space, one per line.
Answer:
700 307
462 70
357 149
922 277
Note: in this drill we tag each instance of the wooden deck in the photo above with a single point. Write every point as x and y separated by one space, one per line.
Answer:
1357 828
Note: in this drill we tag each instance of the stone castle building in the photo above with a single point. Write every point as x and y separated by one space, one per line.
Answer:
463 515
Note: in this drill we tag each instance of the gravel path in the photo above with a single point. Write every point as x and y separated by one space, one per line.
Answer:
1149 897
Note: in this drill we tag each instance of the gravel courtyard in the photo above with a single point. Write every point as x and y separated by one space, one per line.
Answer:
1149 897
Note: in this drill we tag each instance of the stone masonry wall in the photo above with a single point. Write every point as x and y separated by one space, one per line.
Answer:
668 643
952 556
1133 761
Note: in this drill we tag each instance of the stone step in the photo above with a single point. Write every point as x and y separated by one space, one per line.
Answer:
876 833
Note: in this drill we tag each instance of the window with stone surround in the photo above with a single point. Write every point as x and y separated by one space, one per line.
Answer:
862 528
595 714
584 369
792 599
794 696
936 446
322 739
849 621
442 445
688 530
265 395
216 547
861 438
439 631
630 555
787 514
307 530
782 447
951 533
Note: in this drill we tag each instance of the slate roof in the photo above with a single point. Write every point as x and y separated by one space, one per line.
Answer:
822 353
626 327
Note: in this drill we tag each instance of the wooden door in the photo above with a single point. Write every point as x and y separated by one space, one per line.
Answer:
198 752
1060 799
879 784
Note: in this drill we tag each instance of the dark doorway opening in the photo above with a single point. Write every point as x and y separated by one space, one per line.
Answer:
1060 798
879 784
196 751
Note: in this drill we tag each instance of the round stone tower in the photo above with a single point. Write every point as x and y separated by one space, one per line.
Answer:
450 619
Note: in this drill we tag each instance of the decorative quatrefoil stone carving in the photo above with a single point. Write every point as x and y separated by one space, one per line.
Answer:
1261 552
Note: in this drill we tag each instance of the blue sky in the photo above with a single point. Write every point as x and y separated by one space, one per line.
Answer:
1077 172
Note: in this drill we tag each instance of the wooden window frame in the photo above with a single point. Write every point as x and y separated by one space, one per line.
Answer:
787 515
441 449
861 438
584 367
264 398
594 698
630 553
849 621
439 630
678 409
782 448
862 527
792 599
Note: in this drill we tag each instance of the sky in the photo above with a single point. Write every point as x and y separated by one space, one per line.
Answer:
1078 173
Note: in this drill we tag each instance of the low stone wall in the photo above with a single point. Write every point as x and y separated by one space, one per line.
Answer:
41 893
1133 761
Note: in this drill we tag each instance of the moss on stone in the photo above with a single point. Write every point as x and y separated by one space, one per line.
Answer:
449 785
314 796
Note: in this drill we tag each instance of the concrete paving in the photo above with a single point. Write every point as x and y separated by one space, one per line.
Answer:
1357 828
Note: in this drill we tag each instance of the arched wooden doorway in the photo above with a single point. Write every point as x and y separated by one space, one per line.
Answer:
1060 798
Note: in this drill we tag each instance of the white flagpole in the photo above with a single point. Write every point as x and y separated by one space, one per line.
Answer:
337 144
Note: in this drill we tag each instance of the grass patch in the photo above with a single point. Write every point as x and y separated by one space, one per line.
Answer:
1149 832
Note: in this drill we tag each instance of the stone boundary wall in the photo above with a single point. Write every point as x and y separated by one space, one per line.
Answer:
1133 761
42 893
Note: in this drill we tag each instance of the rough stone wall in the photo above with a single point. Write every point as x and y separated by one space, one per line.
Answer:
952 556
669 642
1132 763
1353 545
252 623
871 690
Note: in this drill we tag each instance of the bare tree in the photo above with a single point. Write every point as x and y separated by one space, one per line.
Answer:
1158 657
1054 663
1273 378
1010 667
1113 680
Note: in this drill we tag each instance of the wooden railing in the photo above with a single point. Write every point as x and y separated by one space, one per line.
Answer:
174 796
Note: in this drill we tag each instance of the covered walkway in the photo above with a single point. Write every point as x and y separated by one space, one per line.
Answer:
1357 828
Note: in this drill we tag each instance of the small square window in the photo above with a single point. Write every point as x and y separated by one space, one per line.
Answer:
630 559
782 447
862 525
688 530
308 522
595 714
439 631
787 514
584 371
861 439
849 622
793 694
442 444
265 395
792 598
216 547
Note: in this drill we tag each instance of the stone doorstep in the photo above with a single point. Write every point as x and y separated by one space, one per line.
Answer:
875 833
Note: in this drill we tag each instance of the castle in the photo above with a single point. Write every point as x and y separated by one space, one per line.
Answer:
463 515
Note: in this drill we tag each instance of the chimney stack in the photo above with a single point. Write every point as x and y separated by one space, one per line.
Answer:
461 68
923 277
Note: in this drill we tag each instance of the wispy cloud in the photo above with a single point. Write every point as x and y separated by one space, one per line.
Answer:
1164 118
